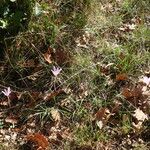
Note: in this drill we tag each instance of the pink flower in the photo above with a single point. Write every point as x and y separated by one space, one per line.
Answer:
6 92
56 71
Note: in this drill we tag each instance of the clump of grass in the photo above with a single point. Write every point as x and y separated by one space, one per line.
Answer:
92 42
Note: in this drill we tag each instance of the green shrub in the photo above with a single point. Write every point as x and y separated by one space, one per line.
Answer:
14 17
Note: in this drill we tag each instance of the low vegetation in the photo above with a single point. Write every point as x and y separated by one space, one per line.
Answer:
77 77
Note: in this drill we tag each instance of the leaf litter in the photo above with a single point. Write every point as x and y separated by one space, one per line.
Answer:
130 106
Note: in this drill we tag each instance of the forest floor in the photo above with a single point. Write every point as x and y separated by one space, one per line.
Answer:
78 78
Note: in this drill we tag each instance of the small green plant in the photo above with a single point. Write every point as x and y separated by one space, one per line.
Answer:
85 134
102 48
43 113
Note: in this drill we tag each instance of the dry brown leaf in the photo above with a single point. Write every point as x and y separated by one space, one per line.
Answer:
13 98
140 115
103 114
132 93
100 114
127 27
39 139
137 126
11 119
51 95
136 92
55 114
126 93
47 57
121 77
99 124
28 63
105 69
62 56
34 76
4 103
